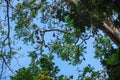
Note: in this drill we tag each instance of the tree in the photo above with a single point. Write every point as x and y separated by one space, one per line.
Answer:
69 22
98 15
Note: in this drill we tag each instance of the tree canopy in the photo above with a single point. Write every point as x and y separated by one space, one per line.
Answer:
60 27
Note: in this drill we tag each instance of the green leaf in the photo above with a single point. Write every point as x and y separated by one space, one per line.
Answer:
113 60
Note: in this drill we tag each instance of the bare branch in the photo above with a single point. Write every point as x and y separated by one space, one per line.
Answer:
63 31
86 39
6 64
52 30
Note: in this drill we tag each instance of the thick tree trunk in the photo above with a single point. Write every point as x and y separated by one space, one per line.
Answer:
112 32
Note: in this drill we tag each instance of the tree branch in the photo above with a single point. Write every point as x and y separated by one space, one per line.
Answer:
6 63
112 32
63 31
7 38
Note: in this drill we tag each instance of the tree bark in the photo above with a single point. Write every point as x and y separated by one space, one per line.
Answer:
112 32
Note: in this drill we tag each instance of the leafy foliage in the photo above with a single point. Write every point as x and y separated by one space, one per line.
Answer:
71 25
40 69
69 52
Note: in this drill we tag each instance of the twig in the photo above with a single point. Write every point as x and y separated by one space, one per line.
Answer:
1 73
6 64
86 39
